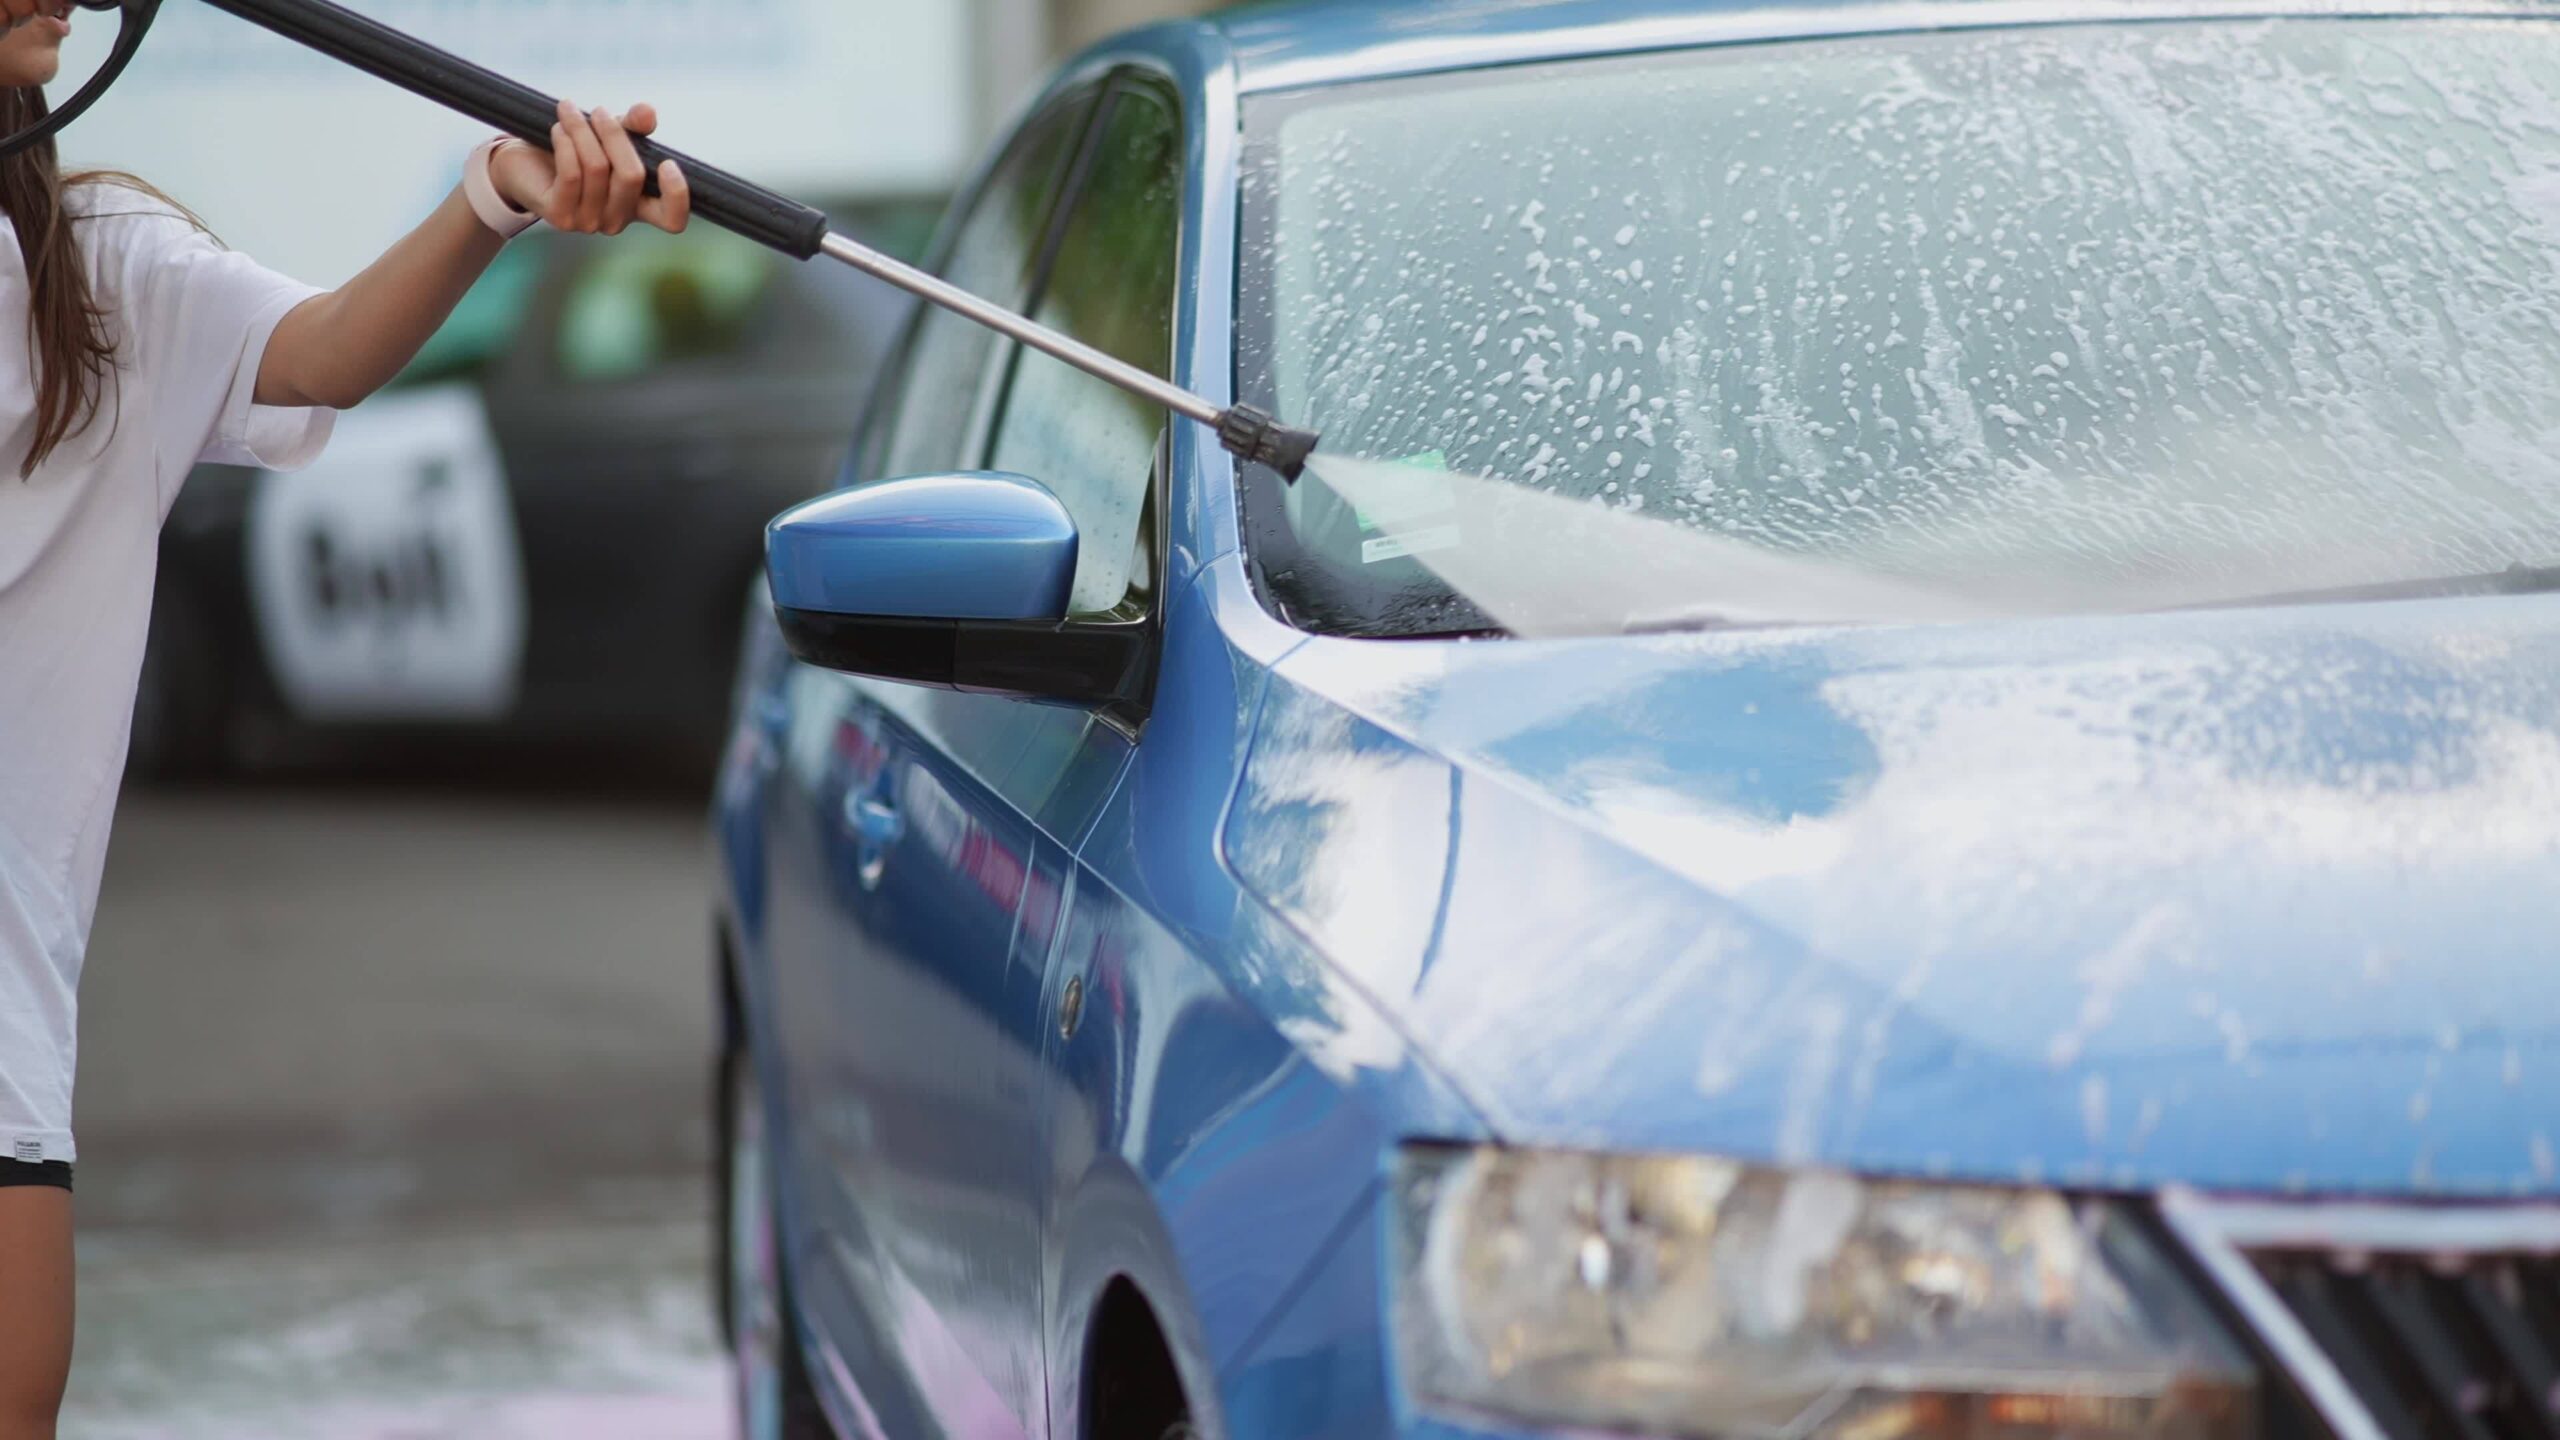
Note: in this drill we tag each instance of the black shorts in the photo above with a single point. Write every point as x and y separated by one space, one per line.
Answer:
56 1173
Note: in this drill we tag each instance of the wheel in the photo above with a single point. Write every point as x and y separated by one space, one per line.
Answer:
181 729
774 1398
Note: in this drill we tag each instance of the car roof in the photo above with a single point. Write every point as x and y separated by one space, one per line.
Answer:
1297 43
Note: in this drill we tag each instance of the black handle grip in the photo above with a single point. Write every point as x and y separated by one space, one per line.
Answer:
522 111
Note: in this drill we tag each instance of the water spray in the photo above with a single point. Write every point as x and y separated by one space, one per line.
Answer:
775 221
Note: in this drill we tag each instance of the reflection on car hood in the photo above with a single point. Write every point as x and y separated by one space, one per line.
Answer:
2263 900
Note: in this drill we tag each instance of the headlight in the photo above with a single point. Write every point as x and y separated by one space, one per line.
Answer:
1705 1298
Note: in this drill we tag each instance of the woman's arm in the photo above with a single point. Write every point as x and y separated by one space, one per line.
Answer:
338 348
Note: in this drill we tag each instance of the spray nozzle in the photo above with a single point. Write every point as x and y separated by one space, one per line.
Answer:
1252 434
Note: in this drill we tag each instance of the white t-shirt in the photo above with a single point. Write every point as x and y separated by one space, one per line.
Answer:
79 544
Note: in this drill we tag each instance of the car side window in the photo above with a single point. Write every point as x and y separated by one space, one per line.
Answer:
1111 286
945 380
652 300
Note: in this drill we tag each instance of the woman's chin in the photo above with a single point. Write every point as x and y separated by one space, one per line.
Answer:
31 54
22 67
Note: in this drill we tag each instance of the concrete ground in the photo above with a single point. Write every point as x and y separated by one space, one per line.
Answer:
393 1121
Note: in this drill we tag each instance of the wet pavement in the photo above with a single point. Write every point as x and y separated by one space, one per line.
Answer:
393 1119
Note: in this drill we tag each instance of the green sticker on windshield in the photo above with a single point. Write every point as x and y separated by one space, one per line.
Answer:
1419 518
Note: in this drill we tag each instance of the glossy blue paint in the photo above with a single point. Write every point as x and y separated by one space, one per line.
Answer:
2248 900
980 545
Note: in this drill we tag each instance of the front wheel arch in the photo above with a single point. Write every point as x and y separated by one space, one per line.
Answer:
1119 1290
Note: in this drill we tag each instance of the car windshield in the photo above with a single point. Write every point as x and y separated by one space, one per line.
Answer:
2082 317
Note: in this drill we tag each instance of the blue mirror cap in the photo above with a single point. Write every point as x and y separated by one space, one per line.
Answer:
972 545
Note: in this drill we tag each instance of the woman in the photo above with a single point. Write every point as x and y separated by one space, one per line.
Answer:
149 347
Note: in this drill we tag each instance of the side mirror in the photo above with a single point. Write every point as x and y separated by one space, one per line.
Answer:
978 545
959 581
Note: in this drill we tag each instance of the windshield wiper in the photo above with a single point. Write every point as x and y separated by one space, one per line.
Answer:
2516 579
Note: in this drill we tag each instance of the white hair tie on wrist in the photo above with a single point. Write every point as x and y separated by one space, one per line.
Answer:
482 192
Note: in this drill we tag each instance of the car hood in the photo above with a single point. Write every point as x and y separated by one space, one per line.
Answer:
2263 900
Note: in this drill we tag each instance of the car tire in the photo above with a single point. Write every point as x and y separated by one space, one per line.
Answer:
181 723
774 1399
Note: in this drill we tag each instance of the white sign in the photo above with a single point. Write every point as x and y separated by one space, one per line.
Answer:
315 168
387 580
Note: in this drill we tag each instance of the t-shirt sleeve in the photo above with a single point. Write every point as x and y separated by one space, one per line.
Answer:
200 332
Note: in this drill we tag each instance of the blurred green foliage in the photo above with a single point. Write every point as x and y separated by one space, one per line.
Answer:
641 299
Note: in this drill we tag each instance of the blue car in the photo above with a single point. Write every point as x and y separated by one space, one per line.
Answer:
1897 774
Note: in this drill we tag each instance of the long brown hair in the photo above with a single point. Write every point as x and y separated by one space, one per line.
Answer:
68 341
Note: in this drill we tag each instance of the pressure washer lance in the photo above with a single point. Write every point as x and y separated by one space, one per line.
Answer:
719 197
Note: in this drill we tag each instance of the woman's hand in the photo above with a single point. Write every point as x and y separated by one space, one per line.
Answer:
336 349
590 180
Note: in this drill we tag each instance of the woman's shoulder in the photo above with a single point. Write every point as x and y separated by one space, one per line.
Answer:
115 194
130 231
124 207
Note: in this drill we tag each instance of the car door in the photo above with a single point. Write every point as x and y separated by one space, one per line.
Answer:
911 1047
1111 284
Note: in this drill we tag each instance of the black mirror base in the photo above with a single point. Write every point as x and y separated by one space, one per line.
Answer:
1104 663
